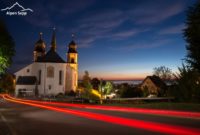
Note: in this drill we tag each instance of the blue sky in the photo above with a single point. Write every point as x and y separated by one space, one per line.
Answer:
117 39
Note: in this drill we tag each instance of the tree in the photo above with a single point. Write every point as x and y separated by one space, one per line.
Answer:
7 49
127 91
163 72
145 91
192 36
108 88
7 83
86 84
86 78
188 85
95 83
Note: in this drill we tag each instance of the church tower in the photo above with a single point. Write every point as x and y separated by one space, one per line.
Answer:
72 60
39 50
72 55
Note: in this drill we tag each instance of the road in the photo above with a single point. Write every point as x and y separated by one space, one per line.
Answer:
24 119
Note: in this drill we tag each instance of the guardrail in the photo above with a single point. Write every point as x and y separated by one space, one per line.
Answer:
138 100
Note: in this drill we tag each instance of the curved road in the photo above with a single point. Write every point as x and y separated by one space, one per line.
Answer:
27 118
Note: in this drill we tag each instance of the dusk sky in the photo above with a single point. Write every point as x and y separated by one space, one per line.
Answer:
117 39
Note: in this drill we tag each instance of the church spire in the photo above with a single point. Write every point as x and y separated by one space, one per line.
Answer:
40 35
73 36
53 40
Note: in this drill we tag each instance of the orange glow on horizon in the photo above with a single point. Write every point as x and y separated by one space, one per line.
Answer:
117 76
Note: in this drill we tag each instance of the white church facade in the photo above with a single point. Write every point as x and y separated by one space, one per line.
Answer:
48 74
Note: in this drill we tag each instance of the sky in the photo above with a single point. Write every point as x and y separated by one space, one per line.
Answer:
116 39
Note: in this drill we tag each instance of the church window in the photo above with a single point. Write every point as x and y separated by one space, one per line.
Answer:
60 77
39 73
27 70
50 71
72 60
49 87
75 79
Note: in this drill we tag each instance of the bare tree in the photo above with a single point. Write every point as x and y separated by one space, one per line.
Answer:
163 72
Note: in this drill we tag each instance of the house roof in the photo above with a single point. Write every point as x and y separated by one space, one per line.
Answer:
157 81
51 56
26 80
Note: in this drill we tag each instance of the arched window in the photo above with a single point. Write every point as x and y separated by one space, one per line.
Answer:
39 74
72 60
50 71
60 77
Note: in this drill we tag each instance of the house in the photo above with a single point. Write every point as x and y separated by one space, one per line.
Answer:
154 85
49 74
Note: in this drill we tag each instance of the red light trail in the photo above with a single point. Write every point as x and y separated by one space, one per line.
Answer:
150 126
182 114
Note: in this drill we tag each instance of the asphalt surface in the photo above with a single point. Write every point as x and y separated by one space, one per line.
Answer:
19 119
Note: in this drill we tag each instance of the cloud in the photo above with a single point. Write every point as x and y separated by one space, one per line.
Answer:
99 25
40 17
172 29
155 12
143 45
86 42
46 12
103 24
128 33
66 8
106 22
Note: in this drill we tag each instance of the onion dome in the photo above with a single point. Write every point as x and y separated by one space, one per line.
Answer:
72 47
40 45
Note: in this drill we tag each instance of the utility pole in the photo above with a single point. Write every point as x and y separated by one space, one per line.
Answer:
101 93
45 80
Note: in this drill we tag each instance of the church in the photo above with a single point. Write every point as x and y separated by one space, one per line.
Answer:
48 74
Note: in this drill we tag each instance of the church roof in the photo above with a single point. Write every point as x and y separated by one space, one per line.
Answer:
26 80
51 56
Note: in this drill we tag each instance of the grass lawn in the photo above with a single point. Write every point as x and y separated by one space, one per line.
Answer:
164 105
